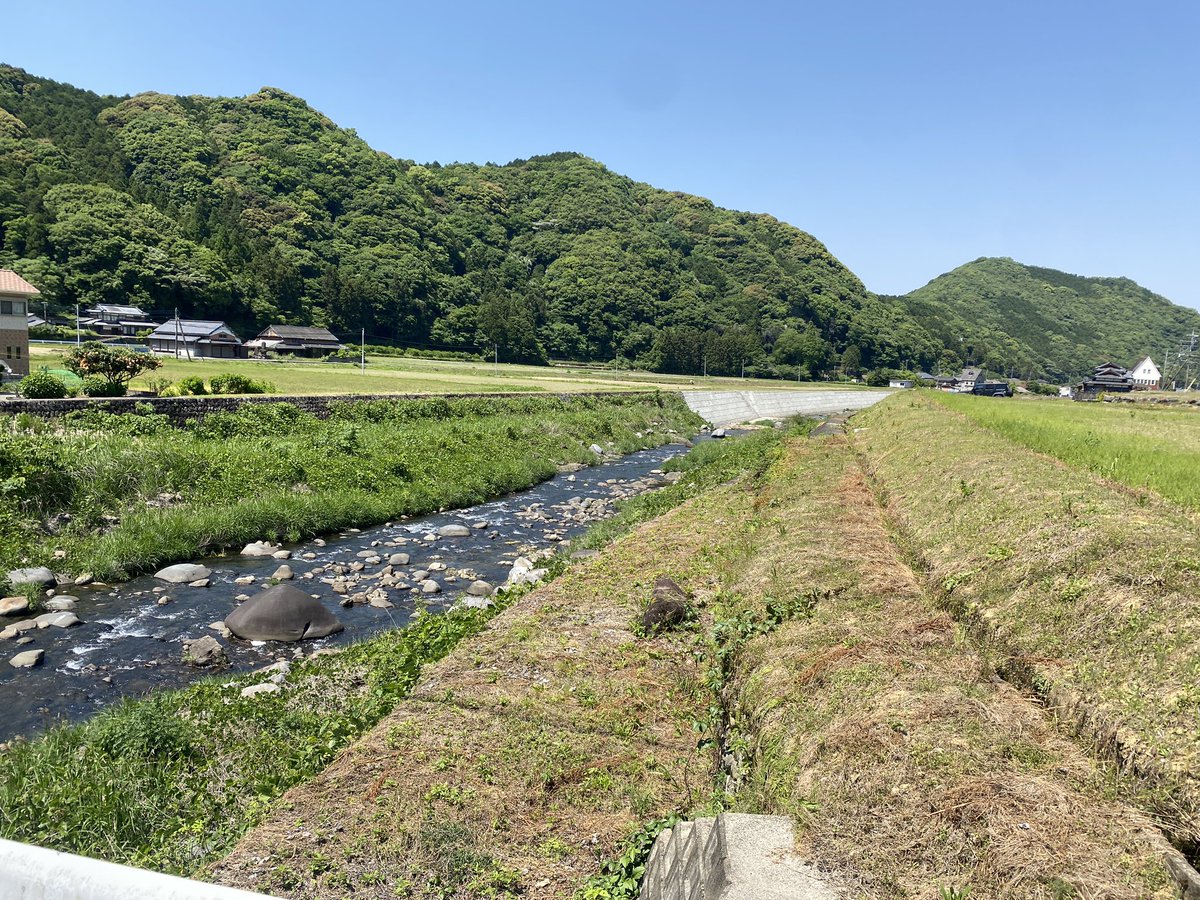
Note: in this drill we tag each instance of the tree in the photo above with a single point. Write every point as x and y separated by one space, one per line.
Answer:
852 360
116 365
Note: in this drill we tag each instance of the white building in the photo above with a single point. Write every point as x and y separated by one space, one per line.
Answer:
1145 375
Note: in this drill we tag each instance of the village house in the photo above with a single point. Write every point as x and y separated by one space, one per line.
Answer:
301 340
15 294
111 318
966 379
1146 376
1107 378
196 339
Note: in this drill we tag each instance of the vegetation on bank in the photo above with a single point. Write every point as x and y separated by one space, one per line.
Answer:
1082 591
171 781
125 493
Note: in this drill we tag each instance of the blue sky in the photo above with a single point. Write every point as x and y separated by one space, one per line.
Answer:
909 137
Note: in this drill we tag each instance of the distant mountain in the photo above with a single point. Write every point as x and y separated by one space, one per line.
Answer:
1025 319
259 209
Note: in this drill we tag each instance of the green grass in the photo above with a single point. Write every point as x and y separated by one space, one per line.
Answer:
91 484
410 375
1140 446
171 781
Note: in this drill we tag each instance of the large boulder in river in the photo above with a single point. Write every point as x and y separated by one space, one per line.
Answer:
261 548
282 613
39 575
183 573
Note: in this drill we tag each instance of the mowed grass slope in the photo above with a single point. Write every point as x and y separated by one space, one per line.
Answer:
1086 593
873 720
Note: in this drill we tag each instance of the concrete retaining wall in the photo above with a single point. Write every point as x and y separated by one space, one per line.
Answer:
730 407
687 862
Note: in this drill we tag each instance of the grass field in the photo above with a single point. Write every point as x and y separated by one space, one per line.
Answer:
405 375
1137 445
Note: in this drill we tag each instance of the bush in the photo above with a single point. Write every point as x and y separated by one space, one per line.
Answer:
41 386
99 386
191 385
230 383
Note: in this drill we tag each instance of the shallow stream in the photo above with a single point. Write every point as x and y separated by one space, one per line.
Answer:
130 643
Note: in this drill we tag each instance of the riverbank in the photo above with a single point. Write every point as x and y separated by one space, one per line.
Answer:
106 496
171 781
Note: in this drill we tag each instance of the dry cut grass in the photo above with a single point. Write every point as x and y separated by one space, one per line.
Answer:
908 766
1086 593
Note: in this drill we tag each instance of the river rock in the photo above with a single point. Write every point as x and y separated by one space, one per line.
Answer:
57 619
261 548
204 651
39 575
255 689
379 599
282 613
283 573
667 609
85 578
454 531
398 559
429 586
12 606
597 449
200 583
28 659
480 589
61 603
221 629
244 579
182 573
718 433
282 554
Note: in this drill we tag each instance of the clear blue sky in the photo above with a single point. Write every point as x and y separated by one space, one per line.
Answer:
909 137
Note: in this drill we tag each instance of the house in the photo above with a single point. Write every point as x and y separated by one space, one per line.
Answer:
15 294
196 338
1146 376
900 383
944 382
1107 378
965 380
301 340
111 318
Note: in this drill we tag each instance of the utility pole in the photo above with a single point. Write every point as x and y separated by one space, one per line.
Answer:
705 359
177 332
743 369
496 356
76 324
362 352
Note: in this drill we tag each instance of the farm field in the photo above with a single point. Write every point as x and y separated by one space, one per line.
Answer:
410 375
1139 445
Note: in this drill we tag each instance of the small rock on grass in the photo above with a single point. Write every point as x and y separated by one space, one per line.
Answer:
28 659
255 689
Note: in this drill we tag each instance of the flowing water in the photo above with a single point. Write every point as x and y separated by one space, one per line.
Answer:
129 643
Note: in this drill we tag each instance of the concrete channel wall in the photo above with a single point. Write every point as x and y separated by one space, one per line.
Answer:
730 407
34 873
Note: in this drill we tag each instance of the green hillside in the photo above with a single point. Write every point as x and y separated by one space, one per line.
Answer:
1029 320
259 209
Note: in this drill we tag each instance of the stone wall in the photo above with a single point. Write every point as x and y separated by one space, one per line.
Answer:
180 409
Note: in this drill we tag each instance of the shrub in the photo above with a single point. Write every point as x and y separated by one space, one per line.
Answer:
231 383
119 365
42 386
99 386
192 384
158 385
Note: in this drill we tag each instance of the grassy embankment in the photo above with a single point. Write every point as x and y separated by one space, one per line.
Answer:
814 658
1082 591
119 494
410 375
1137 444
169 782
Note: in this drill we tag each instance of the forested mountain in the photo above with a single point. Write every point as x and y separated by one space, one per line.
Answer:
1023 320
260 210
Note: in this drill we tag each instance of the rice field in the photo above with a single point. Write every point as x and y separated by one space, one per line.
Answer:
1139 446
